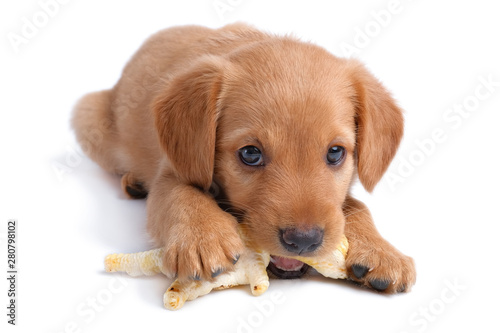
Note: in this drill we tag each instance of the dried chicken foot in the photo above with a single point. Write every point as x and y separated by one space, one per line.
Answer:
249 270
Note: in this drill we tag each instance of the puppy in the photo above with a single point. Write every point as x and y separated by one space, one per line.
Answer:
227 126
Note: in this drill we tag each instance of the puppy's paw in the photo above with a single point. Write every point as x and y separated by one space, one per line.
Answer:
380 266
203 251
132 187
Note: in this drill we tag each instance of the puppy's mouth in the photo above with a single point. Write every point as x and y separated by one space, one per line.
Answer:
287 268
280 267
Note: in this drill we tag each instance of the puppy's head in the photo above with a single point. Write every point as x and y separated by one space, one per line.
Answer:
281 127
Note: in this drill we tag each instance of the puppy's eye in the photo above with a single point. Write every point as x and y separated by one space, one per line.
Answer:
251 155
336 155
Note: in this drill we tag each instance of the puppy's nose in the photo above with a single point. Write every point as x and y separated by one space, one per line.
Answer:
301 241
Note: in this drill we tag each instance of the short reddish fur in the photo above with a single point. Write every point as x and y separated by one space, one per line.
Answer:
192 96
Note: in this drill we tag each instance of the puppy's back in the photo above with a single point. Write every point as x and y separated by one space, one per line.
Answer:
118 126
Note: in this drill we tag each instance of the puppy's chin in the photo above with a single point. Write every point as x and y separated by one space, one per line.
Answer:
280 266
286 268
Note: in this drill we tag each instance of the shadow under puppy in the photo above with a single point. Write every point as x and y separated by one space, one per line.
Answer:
278 126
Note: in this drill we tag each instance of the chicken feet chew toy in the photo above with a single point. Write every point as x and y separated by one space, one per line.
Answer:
250 269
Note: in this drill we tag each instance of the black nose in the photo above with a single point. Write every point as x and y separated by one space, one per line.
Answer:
301 241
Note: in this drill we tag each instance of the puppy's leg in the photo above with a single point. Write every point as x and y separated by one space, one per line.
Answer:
200 240
371 260
132 187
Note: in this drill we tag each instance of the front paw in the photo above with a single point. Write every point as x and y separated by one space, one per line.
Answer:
380 266
203 250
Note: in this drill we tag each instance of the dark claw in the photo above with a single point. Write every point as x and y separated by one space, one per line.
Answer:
402 288
235 260
137 191
196 277
380 285
359 271
217 272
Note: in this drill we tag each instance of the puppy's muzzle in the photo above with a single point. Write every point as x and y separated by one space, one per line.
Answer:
298 241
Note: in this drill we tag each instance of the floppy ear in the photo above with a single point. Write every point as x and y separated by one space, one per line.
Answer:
186 119
379 126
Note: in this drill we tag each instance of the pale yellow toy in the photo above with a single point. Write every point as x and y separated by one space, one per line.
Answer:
250 269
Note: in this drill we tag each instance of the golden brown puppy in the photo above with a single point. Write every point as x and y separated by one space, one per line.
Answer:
227 126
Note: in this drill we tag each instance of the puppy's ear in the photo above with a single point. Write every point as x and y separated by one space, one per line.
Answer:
379 126
186 119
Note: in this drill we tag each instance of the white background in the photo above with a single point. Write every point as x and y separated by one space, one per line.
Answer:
438 204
